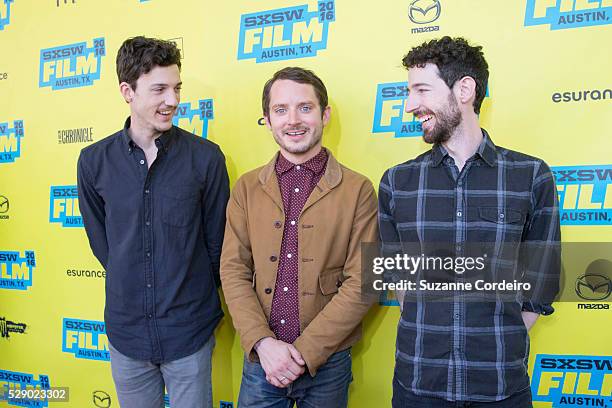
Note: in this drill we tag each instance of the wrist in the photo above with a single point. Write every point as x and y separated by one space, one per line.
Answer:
258 343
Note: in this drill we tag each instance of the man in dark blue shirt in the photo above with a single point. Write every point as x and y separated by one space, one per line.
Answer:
153 200
471 196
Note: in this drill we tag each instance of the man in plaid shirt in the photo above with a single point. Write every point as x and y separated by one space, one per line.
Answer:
462 192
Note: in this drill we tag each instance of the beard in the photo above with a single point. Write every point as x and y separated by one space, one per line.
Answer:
447 120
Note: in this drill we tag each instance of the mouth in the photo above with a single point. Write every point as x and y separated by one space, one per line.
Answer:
426 120
166 114
296 133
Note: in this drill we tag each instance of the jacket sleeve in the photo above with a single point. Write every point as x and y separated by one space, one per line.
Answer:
237 276
91 205
347 308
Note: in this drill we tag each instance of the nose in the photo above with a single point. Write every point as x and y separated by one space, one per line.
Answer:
172 98
293 117
411 103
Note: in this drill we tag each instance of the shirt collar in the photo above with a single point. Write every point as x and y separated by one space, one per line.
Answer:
486 150
315 164
163 142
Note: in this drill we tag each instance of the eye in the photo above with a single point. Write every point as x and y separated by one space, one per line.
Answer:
306 108
280 110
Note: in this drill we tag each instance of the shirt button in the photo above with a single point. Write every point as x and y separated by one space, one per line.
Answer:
268 291
148 254
148 285
458 247
501 216
289 255
142 162
277 224
459 213
292 222
273 258
298 167
285 289
456 315
147 191
297 190
150 316
148 223
282 321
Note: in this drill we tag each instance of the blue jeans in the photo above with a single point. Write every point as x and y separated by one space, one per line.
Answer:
403 399
327 389
140 384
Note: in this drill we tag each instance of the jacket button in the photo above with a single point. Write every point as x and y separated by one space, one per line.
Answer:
268 291
338 283
273 258
277 224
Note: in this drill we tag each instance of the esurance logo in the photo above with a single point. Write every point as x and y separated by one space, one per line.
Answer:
194 120
585 194
562 14
72 65
64 206
10 141
16 270
286 33
12 380
85 339
389 114
5 13
572 381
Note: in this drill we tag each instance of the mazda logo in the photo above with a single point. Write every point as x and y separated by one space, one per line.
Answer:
593 286
424 11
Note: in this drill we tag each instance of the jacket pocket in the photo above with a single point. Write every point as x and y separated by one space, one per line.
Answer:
330 280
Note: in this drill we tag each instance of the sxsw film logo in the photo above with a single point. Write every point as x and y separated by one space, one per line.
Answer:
16 270
572 381
285 33
585 194
85 339
12 380
10 141
64 206
562 14
424 12
72 65
7 327
389 114
5 13
194 120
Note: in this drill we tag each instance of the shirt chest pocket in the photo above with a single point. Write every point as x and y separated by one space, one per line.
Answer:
179 206
501 215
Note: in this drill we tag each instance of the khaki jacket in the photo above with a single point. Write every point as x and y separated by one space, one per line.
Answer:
339 215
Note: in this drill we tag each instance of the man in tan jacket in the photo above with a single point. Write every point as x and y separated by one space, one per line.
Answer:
291 258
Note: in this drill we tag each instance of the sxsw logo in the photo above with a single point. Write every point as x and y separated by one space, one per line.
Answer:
72 65
194 120
572 381
85 339
285 33
585 194
5 13
389 114
13 380
10 141
16 270
64 206
561 14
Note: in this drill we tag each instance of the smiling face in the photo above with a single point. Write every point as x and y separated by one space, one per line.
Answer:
154 100
432 103
295 119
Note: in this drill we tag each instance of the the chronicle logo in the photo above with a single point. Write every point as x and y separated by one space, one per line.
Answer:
59 2
194 120
85 339
15 270
572 381
5 13
10 141
582 96
585 194
101 399
568 13
285 33
64 206
77 135
13 380
7 327
424 12
72 65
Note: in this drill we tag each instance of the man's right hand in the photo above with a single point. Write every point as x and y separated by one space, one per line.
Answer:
282 362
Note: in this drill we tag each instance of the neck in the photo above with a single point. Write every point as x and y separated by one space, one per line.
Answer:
301 157
464 141
142 136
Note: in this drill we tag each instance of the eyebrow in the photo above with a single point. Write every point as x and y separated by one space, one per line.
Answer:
161 84
418 84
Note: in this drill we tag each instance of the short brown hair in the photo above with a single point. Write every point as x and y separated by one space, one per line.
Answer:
299 75
139 55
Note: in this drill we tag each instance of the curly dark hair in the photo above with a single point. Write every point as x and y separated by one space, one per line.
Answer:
455 58
139 55
299 75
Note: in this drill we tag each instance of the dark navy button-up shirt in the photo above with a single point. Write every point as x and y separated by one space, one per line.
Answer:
158 232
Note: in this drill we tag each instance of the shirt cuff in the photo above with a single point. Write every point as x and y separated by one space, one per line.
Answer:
539 308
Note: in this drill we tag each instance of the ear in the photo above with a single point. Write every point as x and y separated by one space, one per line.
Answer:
326 115
267 120
126 91
465 90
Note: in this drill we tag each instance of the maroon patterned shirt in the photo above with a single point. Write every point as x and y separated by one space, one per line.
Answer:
296 182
